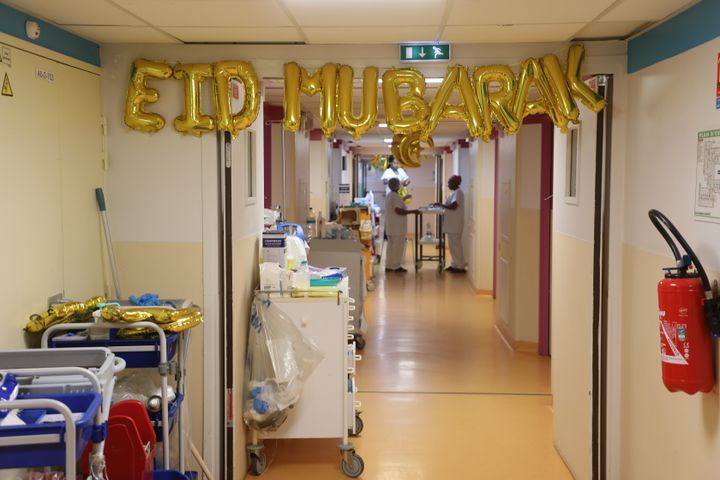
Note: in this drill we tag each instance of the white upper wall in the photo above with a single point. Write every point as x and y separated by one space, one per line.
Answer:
670 102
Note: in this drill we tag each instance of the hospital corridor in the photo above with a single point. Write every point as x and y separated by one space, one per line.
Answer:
443 395
359 239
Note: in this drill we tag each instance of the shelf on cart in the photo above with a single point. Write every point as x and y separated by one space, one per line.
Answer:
34 454
156 417
137 352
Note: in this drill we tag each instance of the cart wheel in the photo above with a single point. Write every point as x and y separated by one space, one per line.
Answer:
359 425
258 463
357 467
359 342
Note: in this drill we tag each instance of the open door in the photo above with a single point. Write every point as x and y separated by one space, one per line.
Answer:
579 289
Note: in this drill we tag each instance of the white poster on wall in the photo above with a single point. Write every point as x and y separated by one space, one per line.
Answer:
707 183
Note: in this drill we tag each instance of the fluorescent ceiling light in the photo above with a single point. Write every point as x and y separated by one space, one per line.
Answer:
387 140
382 125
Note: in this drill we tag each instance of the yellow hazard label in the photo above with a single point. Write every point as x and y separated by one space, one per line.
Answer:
6 88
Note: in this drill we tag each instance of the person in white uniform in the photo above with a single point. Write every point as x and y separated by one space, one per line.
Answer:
395 228
394 171
453 223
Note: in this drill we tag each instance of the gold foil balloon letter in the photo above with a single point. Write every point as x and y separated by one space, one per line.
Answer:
357 126
323 81
245 73
139 94
412 102
582 92
192 121
563 101
532 74
456 78
499 103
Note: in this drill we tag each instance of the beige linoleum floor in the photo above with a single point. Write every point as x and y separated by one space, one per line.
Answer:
443 396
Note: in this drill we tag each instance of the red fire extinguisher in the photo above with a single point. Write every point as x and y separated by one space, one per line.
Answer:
688 317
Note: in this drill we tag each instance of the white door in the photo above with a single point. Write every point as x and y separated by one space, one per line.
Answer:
505 232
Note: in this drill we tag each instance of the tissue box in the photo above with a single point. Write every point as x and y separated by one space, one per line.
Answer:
274 248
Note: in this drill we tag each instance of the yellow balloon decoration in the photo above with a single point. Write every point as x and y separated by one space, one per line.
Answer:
192 121
243 71
139 94
357 126
413 102
457 77
563 101
582 92
323 81
499 103
407 148
531 73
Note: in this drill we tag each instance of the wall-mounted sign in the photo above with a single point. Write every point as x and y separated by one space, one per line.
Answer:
717 86
6 56
707 177
6 88
42 74
424 52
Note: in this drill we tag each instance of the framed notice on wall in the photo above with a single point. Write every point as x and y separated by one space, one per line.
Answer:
707 181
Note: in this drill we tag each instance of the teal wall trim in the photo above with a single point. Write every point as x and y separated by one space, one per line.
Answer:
695 26
12 22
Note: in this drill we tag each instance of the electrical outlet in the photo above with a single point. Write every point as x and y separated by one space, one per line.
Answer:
57 298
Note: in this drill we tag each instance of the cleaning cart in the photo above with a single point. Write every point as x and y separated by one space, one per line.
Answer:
157 353
63 400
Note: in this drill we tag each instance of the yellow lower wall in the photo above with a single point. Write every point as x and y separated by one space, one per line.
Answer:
245 280
571 346
664 435
172 270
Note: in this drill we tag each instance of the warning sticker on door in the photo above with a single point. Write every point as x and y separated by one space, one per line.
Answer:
6 87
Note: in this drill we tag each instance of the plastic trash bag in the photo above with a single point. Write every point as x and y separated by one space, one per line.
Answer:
279 359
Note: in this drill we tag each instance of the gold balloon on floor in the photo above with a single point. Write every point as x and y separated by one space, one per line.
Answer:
357 125
407 148
244 72
413 101
323 81
457 77
193 121
139 94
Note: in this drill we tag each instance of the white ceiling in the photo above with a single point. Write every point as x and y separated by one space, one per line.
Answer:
349 21
358 22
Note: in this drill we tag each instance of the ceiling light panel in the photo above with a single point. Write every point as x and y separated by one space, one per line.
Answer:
514 33
321 13
209 13
77 12
484 12
365 35
644 10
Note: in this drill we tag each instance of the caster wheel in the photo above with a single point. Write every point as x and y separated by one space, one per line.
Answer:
359 342
258 463
357 467
418 266
359 425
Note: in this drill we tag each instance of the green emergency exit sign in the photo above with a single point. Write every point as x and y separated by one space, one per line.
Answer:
424 52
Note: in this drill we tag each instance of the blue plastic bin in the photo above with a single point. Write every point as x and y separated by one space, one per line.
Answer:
147 358
168 475
156 417
40 455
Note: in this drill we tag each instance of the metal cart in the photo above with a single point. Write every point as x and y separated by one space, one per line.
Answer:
146 353
327 407
77 383
438 240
